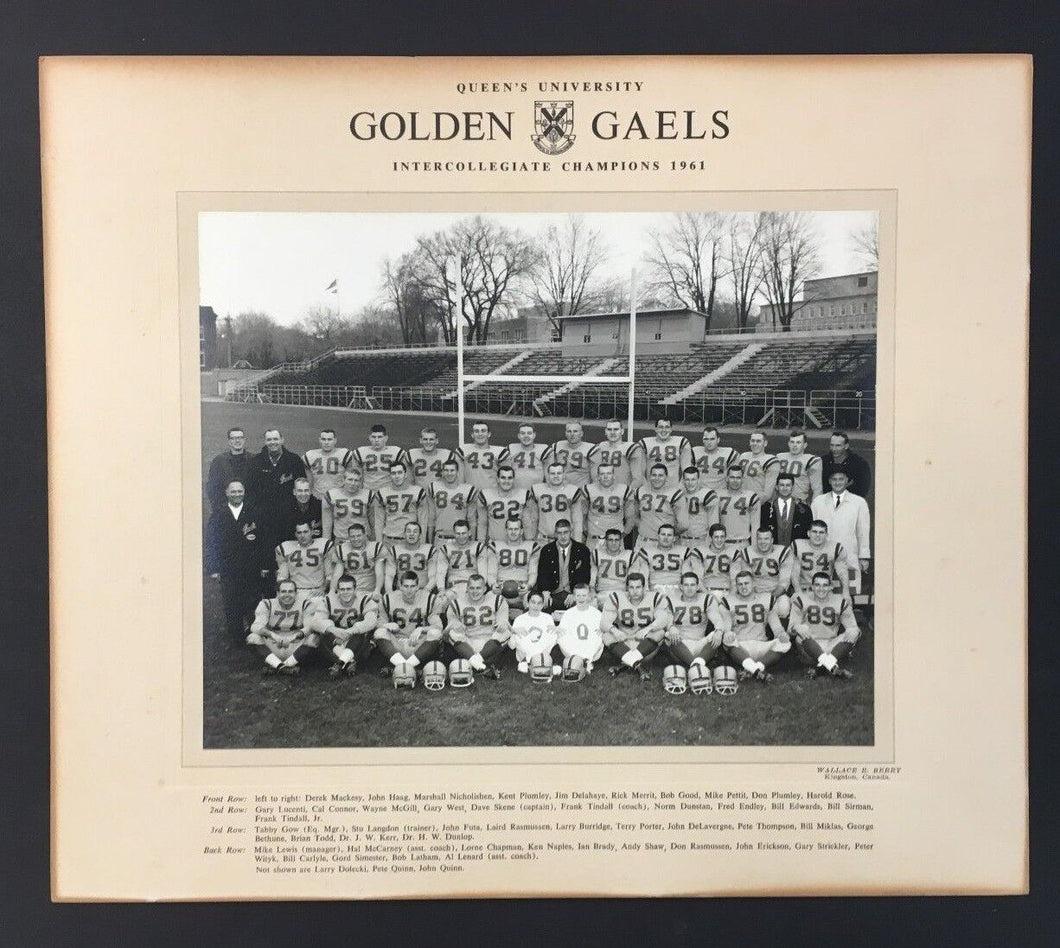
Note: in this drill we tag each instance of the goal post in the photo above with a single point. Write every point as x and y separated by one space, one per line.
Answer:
463 377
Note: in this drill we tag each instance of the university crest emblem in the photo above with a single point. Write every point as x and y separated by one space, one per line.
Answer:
553 124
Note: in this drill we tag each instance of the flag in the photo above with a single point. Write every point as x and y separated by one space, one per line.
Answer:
332 287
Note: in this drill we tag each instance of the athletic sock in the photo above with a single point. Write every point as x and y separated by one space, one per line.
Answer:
272 661
477 662
397 659
750 665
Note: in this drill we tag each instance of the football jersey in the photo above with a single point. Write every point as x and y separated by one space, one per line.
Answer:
756 468
675 452
805 468
408 616
451 502
304 564
477 618
715 567
579 633
810 559
480 464
697 512
574 458
359 563
631 616
825 620
619 454
348 509
553 504
738 513
713 465
513 559
400 507
328 470
605 508
664 567
534 635
527 463
461 561
375 464
426 469
750 616
499 506
611 569
344 615
655 510
280 622
772 570
690 616
417 560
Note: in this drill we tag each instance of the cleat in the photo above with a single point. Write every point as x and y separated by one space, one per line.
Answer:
643 673
385 670
492 671
335 669
764 676
838 672
290 669
615 670
811 672
743 674
268 671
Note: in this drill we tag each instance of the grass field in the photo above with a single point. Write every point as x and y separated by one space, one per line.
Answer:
243 709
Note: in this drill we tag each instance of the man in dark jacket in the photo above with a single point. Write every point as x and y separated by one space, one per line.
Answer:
236 555
232 465
787 518
272 478
303 507
841 458
562 565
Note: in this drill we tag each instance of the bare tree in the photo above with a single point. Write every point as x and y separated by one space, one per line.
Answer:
415 313
790 256
685 260
865 243
566 257
323 323
743 258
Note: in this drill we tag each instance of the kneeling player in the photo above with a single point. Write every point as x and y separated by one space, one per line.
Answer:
280 632
476 625
749 618
410 631
579 629
696 633
824 627
634 623
345 619
533 632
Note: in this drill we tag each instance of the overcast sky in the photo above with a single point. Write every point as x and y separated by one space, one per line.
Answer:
281 263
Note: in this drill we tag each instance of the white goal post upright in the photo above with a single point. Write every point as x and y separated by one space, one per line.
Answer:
462 377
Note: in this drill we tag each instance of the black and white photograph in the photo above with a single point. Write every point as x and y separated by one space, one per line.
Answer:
518 479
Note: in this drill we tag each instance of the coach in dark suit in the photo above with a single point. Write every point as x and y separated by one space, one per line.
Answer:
562 565
272 476
236 554
785 517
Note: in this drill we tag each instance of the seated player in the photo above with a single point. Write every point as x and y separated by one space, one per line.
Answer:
409 630
363 560
816 555
476 625
579 629
533 632
771 565
497 504
824 628
555 501
457 560
510 566
604 505
697 507
344 620
280 631
303 560
411 554
696 633
750 617
611 564
352 503
716 562
653 504
664 560
633 624
451 501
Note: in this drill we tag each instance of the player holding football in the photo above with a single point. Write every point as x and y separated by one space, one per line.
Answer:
409 631
623 456
303 560
476 625
511 565
280 632
349 504
345 620
824 628
713 460
573 453
374 459
327 465
673 453
634 624
361 558
695 634
750 617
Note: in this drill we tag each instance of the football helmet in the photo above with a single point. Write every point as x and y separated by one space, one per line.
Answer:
675 679
434 676
541 668
461 674
574 668
700 679
403 676
725 680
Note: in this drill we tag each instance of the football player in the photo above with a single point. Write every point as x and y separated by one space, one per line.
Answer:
713 460
526 458
611 564
361 558
327 465
716 562
533 633
497 504
399 503
695 634
303 560
511 565
673 453
573 453
557 501
697 507
411 554
410 630
754 635
738 509
457 560
350 504
663 559
344 620
771 565
805 468
580 628
451 501
476 625
621 455
479 458
604 504
280 632
757 464
653 504
816 554
374 459
824 627
634 623
426 461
